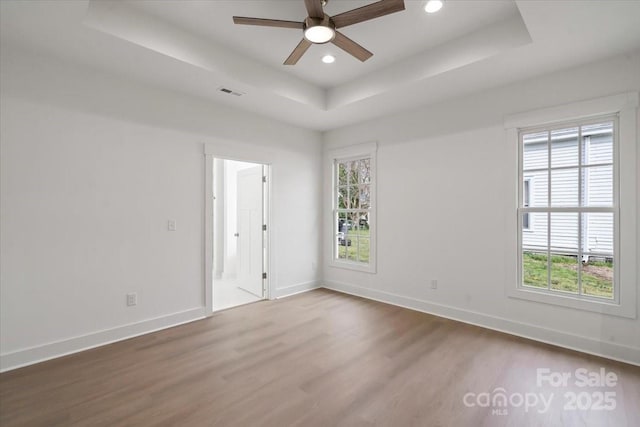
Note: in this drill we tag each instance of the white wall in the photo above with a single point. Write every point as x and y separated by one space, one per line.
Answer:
92 168
441 210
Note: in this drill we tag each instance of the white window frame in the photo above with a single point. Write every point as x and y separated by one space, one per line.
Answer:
580 208
355 152
624 106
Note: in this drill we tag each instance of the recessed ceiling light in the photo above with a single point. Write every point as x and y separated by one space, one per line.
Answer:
433 6
328 59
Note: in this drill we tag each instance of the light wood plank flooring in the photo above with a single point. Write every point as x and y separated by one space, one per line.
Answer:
316 359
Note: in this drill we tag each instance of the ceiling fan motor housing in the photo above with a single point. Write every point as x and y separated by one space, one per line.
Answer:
325 22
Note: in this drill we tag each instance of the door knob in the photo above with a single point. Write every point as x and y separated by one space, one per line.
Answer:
236 234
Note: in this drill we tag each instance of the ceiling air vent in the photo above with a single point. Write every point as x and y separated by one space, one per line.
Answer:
230 91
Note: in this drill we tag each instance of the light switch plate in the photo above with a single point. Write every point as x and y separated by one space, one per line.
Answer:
132 299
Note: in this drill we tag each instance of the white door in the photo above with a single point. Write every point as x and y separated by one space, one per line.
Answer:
250 220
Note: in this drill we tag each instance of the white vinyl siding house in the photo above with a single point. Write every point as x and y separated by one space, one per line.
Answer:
597 190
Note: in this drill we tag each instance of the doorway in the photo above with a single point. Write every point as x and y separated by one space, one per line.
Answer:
240 224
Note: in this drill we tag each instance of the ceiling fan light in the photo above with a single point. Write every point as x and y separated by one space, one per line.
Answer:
319 34
433 6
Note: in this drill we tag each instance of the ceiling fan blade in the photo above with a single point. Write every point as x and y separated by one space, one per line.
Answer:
298 52
267 22
351 47
314 7
366 13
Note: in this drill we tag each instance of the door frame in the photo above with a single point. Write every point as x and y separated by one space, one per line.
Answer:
209 231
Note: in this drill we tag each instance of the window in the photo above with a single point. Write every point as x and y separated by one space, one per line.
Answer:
574 223
353 210
353 203
572 248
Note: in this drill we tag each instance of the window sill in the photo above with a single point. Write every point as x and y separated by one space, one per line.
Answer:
365 268
587 304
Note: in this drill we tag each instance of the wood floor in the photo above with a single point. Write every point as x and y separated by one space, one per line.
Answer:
316 359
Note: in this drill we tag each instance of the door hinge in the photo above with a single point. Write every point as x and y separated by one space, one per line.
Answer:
264 179
264 227
264 275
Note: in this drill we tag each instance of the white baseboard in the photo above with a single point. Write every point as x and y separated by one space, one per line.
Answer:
56 349
583 344
29 356
296 289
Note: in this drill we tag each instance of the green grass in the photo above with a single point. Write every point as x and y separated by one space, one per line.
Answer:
564 274
359 246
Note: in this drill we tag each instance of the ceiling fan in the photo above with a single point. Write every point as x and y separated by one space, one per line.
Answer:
320 28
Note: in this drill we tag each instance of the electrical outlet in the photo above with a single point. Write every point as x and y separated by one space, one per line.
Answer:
171 225
132 299
434 284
